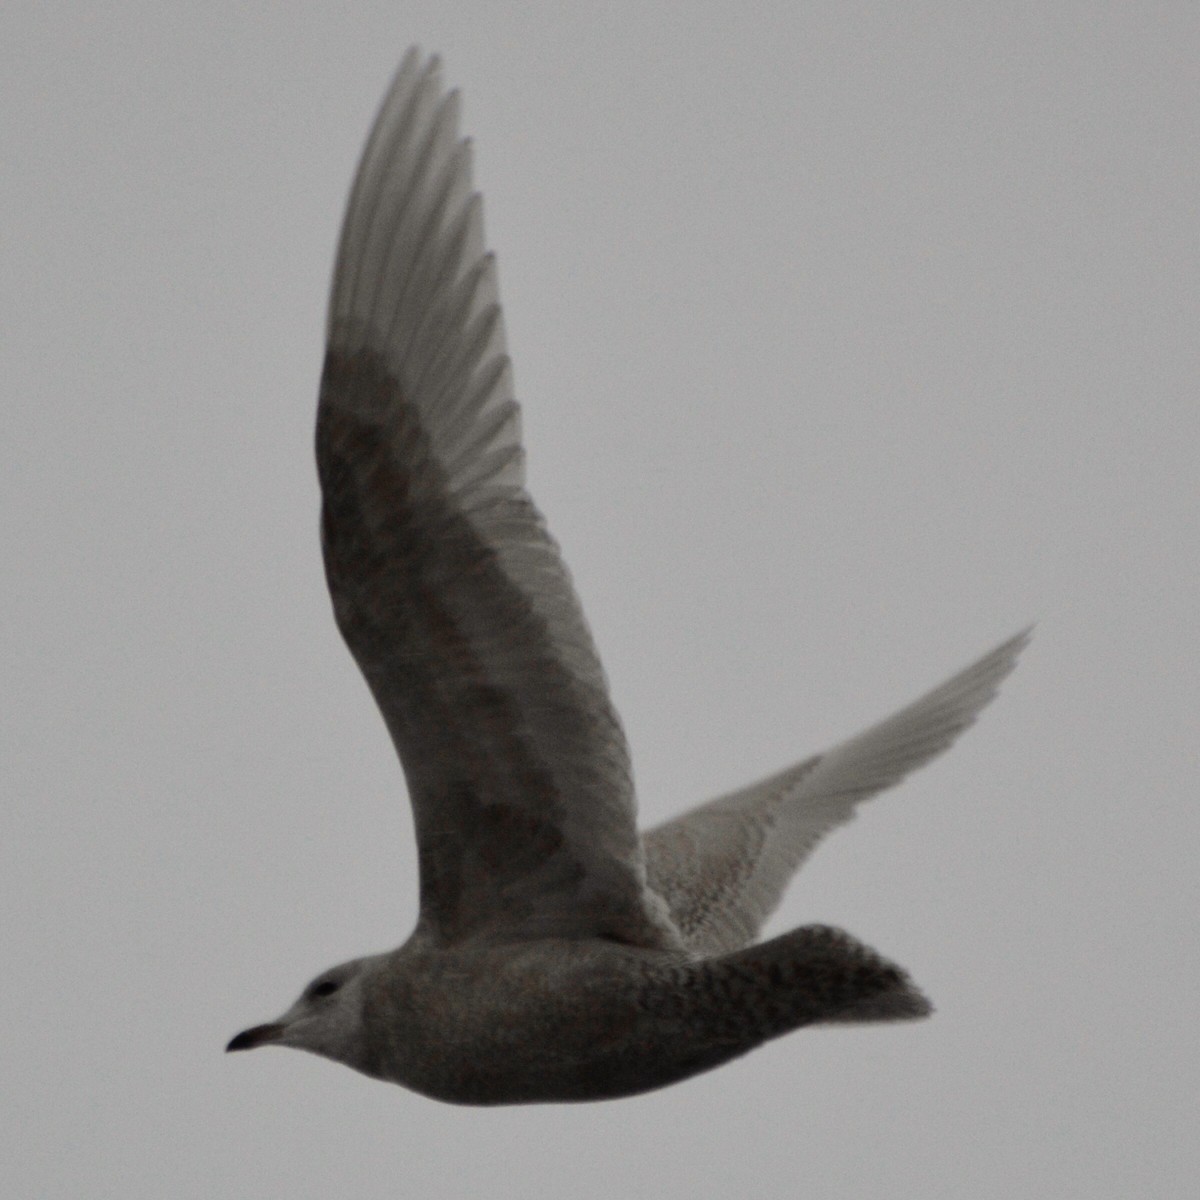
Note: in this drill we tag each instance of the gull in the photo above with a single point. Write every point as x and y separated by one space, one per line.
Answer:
559 954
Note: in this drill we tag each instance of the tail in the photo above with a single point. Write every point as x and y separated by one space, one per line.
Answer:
654 1019
816 975
696 1016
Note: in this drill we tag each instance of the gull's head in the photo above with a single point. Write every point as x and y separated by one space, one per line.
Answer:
327 1019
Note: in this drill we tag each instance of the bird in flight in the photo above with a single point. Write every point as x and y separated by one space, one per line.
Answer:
559 954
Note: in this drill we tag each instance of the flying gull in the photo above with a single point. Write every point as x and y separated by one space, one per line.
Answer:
559 954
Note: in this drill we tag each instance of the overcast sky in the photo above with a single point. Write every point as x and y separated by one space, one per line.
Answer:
850 339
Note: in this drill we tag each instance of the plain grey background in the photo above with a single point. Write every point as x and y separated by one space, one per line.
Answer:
851 337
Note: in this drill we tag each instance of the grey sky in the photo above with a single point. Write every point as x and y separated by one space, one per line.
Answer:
850 339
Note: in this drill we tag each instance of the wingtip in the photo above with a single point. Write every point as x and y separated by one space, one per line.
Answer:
409 59
1022 639
999 663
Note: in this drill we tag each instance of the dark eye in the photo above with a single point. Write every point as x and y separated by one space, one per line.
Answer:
325 988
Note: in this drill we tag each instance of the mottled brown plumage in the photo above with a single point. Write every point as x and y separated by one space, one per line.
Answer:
558 955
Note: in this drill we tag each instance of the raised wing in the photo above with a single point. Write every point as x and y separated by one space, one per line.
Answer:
723 867
446 586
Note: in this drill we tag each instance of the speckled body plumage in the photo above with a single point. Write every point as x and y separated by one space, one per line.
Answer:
559 954
571 1019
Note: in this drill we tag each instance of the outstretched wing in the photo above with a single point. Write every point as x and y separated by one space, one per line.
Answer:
723 867
446 586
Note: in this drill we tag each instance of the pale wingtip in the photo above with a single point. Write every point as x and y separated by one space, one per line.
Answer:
1003 658
1022 639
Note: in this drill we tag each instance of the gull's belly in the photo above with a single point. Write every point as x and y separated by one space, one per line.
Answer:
554 1020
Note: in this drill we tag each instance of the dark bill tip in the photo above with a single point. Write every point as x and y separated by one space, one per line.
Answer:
260 1035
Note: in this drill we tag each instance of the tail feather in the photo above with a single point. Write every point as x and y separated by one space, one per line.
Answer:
818 974
697 1016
